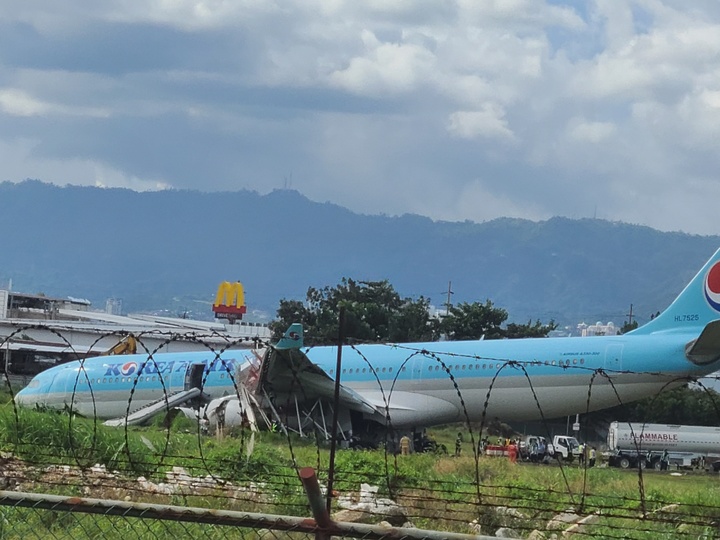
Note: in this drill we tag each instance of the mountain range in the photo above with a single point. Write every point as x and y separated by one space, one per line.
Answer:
169 250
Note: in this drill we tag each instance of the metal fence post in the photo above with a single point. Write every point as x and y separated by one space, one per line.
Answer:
317 504
336 411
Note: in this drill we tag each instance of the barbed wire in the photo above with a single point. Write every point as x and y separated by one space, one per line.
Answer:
226 469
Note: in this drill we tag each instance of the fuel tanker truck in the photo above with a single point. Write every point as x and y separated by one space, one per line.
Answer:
643 445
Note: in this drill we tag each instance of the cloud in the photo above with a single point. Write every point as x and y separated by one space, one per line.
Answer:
20 161
478 197
594 132
455 109
19 103
385 68
488 122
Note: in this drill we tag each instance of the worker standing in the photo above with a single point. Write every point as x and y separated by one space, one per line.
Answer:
512 450
665 460
404 445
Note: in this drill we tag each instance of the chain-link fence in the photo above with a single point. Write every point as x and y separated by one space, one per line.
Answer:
42 516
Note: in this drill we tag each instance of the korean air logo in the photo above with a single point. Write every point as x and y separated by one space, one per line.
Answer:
128 368
712 287
294 336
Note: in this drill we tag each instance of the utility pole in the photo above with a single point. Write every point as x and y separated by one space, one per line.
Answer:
449 293
630 315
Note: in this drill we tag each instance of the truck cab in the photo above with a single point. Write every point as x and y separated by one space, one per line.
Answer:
564 447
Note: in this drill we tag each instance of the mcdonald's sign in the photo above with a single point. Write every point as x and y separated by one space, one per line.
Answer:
230 301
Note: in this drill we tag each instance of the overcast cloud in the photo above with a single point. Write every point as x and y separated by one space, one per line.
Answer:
453 109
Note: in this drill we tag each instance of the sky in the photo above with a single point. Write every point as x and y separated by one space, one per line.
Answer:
452 109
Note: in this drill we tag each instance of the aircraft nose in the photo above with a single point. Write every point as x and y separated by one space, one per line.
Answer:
28 396
22 398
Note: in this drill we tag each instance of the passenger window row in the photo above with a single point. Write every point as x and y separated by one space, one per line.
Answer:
146 378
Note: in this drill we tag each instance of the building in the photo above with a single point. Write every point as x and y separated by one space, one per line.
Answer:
37 331
598 329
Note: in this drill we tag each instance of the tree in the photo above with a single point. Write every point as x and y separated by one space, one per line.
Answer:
412 322
513 331
628 326
473 321
683 405
291 311
374 312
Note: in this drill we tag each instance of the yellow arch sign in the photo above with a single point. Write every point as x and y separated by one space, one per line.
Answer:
230 301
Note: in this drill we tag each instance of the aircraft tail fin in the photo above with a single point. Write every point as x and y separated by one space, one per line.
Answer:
292 338
696 306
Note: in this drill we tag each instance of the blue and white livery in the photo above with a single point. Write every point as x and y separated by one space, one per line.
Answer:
413 385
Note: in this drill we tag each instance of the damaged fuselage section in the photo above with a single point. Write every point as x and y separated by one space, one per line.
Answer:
300 396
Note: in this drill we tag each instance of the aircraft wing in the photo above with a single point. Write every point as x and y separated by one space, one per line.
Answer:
287 371
706 348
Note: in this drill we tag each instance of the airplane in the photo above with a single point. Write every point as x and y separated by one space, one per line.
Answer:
400 387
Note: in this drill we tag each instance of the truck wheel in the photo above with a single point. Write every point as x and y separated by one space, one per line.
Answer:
624 463
657 465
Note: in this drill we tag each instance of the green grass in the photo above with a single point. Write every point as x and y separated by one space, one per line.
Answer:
438 492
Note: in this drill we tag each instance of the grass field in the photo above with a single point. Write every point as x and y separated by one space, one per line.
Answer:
54 453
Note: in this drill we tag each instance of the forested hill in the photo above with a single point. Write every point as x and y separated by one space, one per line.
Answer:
170 249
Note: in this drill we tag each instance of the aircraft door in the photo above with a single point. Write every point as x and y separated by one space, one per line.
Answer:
613 358
415 367
194 376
